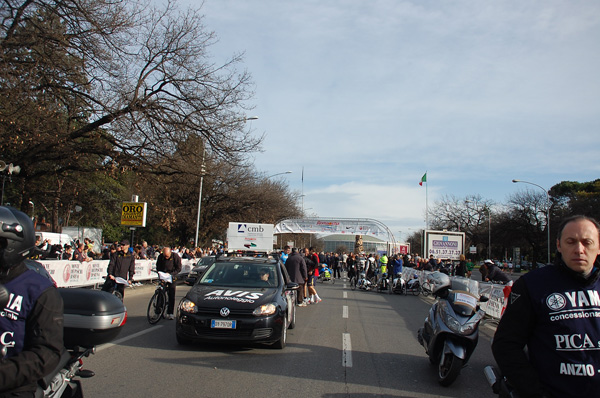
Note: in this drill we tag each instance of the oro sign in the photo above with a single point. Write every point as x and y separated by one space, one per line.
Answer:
133 214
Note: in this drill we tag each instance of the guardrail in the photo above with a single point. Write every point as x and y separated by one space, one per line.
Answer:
497 294
76 274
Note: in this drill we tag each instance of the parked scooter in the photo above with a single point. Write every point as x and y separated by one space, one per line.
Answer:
451 330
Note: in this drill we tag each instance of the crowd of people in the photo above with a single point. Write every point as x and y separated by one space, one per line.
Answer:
305 265
85 251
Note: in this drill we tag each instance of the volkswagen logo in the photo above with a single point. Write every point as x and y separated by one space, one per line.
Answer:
224 312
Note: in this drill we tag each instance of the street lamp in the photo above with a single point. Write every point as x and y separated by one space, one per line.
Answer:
278 174
203 171
547 210
32 209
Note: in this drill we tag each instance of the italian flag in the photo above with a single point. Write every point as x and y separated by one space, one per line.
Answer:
423 179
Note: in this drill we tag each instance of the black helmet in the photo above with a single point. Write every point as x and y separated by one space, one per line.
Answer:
17 237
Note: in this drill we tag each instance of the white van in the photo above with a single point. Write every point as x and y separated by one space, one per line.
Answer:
54 238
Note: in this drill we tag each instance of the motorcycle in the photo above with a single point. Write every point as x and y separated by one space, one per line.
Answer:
82 333
499 384
61 383
451 330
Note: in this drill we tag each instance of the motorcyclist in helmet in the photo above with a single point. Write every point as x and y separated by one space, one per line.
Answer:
31 323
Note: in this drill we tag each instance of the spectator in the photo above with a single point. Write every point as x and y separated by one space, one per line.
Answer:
335 259
187 255
312 265
461 268
285 253
398 264
68 253
144 251
296 268
470 267
79 254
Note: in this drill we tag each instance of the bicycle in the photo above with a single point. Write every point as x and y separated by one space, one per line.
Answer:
159 300
353 282
113 289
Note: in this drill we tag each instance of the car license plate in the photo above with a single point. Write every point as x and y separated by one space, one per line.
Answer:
218 324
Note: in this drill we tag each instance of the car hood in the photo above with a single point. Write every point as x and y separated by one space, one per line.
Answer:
234 297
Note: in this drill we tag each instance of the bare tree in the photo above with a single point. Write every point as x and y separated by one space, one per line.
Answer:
131 81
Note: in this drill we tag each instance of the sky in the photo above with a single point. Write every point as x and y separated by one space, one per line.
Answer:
367 96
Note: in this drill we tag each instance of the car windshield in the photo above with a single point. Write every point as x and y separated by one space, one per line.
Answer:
208 260
242 274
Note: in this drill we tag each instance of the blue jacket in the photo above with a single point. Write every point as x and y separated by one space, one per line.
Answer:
397 263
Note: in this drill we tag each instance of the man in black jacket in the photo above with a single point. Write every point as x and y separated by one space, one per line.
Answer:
296 268
555 312
170 263
121 264
31 322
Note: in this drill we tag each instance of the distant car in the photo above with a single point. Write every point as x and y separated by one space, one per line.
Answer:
239 299
199 269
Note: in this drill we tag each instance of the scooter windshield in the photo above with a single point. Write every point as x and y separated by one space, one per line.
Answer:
466 285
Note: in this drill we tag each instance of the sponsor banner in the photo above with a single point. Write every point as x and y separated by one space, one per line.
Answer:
332 227
133 214
76 274
444 245
249 236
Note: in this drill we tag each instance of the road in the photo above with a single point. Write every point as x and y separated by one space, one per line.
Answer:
352 344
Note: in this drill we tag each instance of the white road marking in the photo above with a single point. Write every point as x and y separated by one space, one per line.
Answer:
345 295
344 286
345 311
346 350
124 339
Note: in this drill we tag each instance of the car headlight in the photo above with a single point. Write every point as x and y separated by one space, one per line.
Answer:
267 309
188 306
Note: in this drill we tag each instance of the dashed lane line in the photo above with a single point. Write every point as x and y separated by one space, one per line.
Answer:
345 295
345 311
346 350
124 339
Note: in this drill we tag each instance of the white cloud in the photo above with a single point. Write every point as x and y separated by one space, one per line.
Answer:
372 94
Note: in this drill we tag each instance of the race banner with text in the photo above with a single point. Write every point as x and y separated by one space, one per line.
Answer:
76 274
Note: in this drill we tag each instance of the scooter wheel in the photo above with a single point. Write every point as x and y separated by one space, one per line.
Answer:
448 369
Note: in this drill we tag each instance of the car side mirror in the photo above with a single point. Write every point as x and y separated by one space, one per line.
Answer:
292 286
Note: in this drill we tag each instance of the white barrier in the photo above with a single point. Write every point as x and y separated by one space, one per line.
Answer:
76 274
497 294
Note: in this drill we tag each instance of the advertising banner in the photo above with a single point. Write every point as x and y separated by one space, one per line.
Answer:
444 245
76 274
332 227
248 236
133 214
